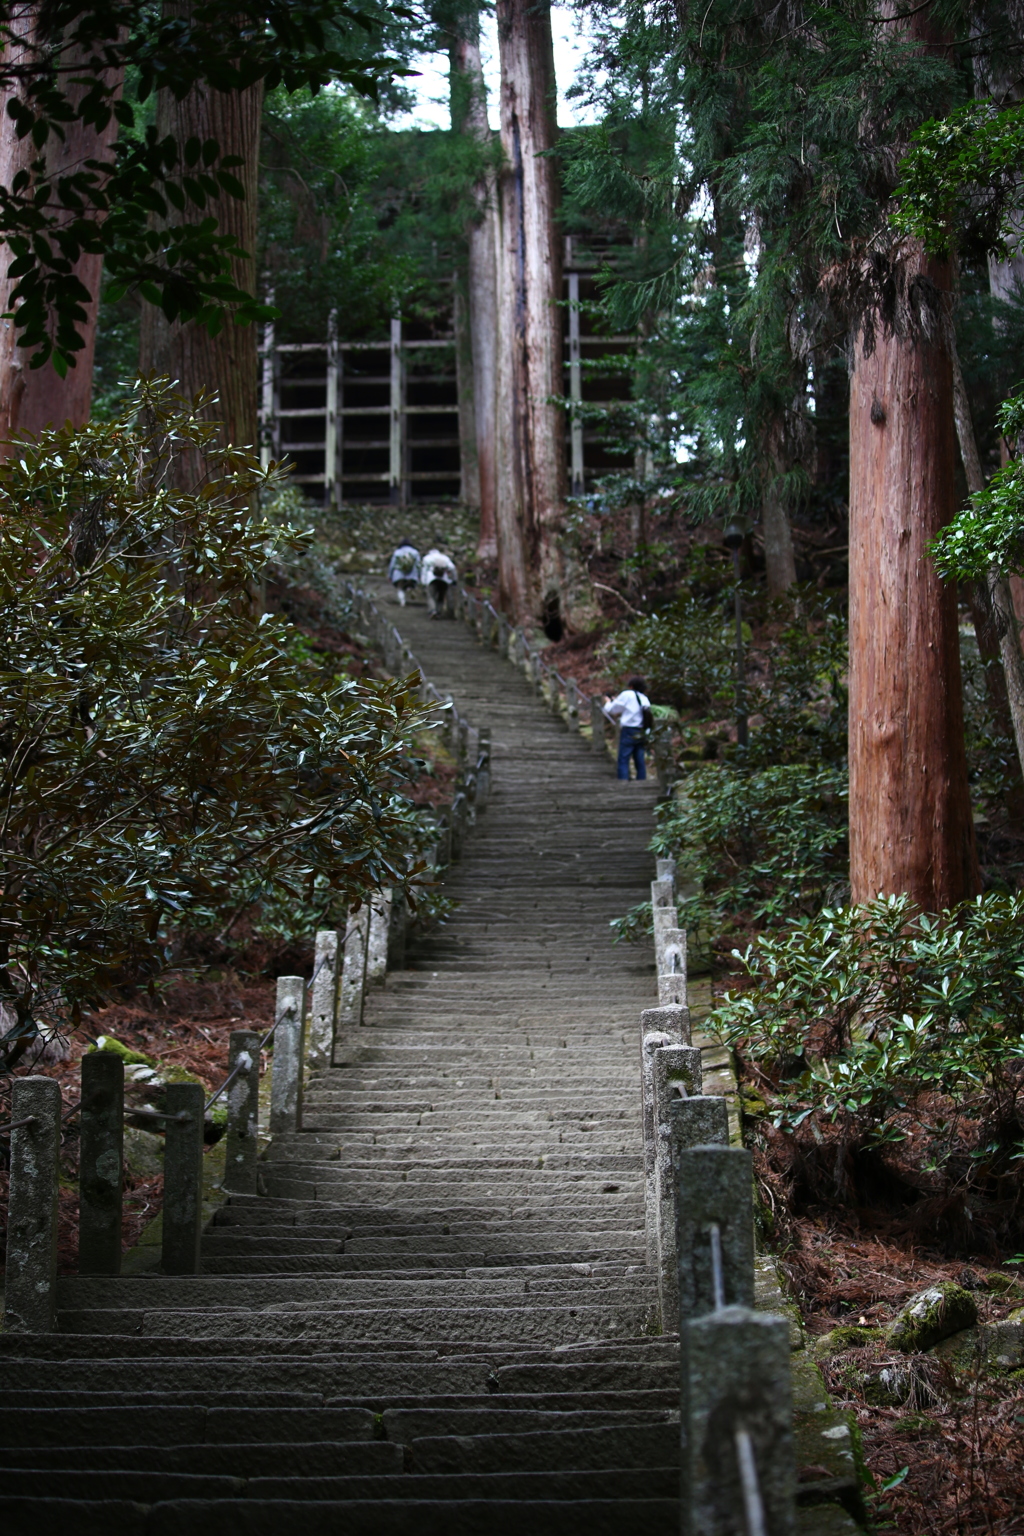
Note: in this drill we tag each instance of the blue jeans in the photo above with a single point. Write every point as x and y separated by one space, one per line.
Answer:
631 747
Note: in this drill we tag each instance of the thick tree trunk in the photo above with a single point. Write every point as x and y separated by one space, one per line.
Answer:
910 814
530 498
469 116
227 362
34 398
469 468
779 560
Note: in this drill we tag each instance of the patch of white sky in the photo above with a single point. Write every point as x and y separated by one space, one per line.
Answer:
572 44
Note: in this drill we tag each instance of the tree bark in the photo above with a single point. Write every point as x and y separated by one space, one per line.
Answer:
34 398
469 468
227 362
911 828
469 116
995 603
779 560
530 497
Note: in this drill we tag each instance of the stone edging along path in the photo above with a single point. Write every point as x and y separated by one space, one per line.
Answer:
442 1314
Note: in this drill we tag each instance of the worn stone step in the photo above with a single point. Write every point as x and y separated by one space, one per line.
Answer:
179 1425
550 1450
533 1324
410 1517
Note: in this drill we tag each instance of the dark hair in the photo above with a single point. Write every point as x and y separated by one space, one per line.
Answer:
638 685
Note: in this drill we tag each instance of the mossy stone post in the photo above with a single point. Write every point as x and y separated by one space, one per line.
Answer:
243 1098
683 1122
183 1178
676 1074
30 1295
715 1186
674 1019
286 1073
572 705
322 1000
100 1162
738 1460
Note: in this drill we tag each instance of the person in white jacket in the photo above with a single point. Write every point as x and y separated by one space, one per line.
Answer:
631 710
404 569
437 574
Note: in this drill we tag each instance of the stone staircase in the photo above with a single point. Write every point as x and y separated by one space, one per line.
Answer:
436 1316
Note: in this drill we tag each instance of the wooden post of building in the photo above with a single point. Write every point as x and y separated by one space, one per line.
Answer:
397 463
331 486
268 405
575 389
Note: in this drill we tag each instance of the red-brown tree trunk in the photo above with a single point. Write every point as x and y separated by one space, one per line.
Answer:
911 828
34 398
227 362
531 492
469 116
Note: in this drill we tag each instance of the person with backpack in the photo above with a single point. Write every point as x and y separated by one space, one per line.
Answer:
437 574
404 569
631 710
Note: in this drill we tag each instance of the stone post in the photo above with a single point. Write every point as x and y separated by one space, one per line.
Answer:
30 1297
687 1122
672 968
322 1000
572 705
100 1159
673 1019
458 825
352 983
597 720
243 1098
183 1178
502 635
286 1072
738 1459
675 1074
472 748
651 1040
377 942
483 778
463 740
398 927
666 870
715 1189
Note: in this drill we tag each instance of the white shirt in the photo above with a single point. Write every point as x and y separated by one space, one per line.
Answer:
628 708
437 567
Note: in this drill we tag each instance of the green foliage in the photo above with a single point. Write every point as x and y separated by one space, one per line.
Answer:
347 207
960 181
167 758
765 843
896 1022
989 531
795 676
136 206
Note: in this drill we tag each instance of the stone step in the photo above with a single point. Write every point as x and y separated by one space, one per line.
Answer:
154 1484
353 1393
498 1324
661 1349
246 1459
179 1425
410 1517
624 1445
141 1292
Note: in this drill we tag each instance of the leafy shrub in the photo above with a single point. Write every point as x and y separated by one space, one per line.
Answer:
795 684
167 755
767 843
902 1029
